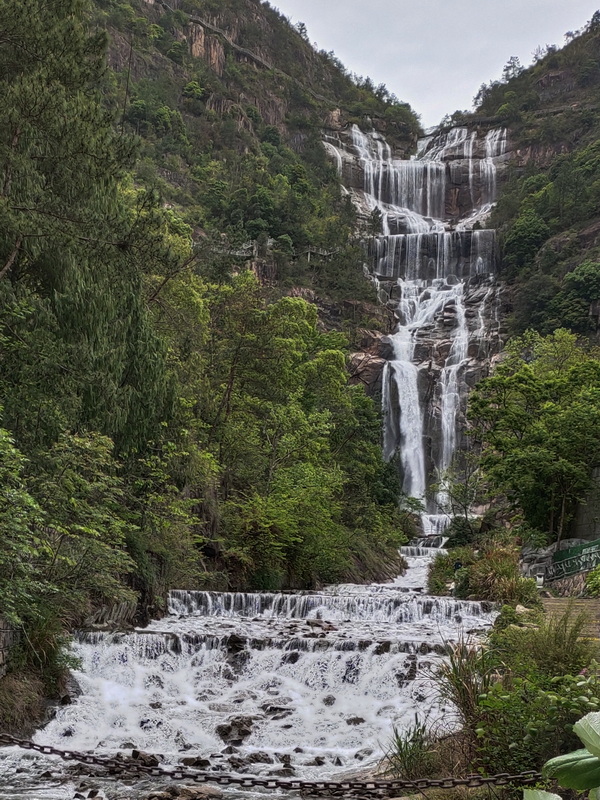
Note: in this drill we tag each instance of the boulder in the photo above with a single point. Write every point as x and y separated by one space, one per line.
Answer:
236 730
376 344
366 369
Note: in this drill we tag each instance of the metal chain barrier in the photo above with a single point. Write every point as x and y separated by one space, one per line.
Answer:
383 788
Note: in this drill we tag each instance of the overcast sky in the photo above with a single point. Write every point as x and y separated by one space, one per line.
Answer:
435 54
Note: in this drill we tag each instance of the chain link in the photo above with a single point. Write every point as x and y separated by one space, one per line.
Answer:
380 788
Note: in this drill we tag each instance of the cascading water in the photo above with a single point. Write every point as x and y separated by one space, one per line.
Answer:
303 684
434 264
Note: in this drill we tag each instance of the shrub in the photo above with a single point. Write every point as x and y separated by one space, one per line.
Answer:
442 570
519 698
495 576
592 583
522 725
555 647
468 673
22 703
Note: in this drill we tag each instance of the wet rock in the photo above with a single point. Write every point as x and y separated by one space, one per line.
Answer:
329 700
260 758
238 764
235 644
236 730
318 761
298 750
376 344
146 759
71 691
291 658
382 648
239 660
272 710
196 761
148 724
187 793
337 762
156 705
284 772
364 753
355 721
229 751
367 370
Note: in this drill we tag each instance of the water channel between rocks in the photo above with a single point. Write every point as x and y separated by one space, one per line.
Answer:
306 685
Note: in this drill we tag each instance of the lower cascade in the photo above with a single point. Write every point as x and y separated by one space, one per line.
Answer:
303 684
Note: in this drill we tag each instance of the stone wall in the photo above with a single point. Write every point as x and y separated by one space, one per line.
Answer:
8 638
573 586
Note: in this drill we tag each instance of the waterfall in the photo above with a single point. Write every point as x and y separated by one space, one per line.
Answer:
292 684
434 265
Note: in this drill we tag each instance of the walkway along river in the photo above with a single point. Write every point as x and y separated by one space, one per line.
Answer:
307 685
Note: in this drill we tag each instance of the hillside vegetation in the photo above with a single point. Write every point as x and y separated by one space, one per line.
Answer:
170 417
549 209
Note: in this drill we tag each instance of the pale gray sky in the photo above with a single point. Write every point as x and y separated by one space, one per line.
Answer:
435 54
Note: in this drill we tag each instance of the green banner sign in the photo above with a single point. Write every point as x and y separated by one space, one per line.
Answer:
567 562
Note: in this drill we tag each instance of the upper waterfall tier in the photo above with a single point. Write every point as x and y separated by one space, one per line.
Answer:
453 175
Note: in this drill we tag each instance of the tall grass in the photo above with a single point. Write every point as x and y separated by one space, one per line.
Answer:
554 647
411 753
468 673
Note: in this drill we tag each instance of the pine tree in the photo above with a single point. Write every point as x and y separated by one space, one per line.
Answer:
80 349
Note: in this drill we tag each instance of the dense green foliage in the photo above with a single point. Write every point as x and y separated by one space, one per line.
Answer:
167 420
490 572
236 146
579 770
538 418
520 696
548 207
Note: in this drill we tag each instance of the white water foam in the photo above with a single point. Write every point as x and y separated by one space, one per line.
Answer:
328 672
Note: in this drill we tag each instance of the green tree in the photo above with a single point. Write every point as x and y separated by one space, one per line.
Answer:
83 525
20 548
538 417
